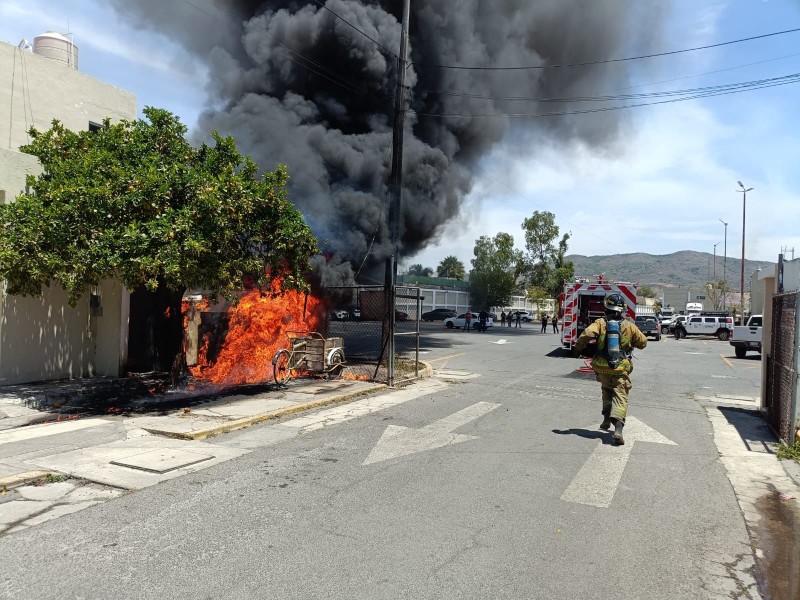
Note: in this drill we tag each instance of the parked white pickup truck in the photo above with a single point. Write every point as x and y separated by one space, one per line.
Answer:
747 337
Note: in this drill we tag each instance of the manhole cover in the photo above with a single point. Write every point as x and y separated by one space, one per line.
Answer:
161 461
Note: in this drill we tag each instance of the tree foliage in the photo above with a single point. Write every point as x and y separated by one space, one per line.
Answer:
645 291
135 202
418 270
451 267
546 265
495 268
719 292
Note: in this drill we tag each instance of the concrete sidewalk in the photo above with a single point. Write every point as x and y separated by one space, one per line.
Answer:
130 449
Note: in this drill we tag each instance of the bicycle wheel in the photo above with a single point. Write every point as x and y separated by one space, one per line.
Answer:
280 367
335 364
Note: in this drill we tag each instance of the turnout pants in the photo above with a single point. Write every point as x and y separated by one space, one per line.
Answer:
615 388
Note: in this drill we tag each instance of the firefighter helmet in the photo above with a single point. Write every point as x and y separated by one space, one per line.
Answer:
614 303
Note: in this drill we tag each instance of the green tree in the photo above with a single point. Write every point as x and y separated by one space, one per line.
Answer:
546 265
495 268
646 291
451 267
135 202
417 270
719 292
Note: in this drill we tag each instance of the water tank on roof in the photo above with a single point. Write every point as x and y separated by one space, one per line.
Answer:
56 46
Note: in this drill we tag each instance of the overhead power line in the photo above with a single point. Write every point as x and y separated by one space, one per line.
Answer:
692 95
601 62
613 97
348 23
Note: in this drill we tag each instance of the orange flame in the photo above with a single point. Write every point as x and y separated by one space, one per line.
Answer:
355 376
257 328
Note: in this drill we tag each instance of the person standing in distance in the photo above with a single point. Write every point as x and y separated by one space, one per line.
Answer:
555 323
616 339
467 320
544 323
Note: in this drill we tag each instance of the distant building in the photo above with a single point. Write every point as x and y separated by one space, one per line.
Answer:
43 338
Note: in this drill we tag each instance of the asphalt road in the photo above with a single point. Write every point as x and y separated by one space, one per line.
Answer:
502 508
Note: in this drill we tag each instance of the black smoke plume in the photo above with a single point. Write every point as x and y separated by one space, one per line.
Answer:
294 84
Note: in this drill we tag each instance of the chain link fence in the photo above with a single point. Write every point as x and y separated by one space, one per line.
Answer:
379 328
781 393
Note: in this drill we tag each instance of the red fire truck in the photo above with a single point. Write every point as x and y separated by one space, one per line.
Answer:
581 303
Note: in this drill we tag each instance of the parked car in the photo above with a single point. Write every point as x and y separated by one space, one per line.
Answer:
747 337
439 314
524 315
648 326
701 324
663 323
354 312
339 314
460 320
399 315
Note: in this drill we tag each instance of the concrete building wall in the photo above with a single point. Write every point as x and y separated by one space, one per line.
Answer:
44 338
14 168
35 90
678 297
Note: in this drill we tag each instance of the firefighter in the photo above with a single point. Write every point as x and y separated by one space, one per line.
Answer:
616 339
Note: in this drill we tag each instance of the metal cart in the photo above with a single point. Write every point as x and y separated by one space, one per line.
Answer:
309 353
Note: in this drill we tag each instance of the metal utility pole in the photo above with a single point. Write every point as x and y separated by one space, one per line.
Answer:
715 262
396 177
744 208
725 265
396 188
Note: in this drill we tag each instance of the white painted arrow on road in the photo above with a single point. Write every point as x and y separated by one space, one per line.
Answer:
399 441
501 341
597 481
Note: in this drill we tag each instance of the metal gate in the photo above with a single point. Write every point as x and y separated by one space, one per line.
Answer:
781 367
380 330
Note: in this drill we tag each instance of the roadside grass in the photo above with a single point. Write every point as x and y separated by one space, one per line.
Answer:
789 452
51 478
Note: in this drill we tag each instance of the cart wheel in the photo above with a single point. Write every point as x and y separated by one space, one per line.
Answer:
280 365
335 364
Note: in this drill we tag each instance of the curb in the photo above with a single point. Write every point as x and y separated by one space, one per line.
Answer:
12 481
245 422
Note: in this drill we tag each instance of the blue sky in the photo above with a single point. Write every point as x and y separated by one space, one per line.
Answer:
661 188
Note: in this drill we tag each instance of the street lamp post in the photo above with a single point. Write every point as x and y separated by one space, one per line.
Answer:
725 265
744 191
714 277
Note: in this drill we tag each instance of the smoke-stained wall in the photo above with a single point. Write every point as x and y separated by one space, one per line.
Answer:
294 84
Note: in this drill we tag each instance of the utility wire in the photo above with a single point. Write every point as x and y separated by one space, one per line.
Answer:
194 6
608 98
332 76
345 21
601 62
752 64
772 83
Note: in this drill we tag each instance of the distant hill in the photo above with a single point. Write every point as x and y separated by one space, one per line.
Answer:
685 268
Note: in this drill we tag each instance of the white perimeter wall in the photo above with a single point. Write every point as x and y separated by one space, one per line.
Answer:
35 90
44 338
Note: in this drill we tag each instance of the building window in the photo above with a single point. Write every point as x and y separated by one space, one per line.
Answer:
95 127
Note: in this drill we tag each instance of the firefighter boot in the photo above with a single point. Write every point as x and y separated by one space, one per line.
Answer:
617 435
606 424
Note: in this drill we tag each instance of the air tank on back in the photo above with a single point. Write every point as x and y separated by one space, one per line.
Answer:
58 47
